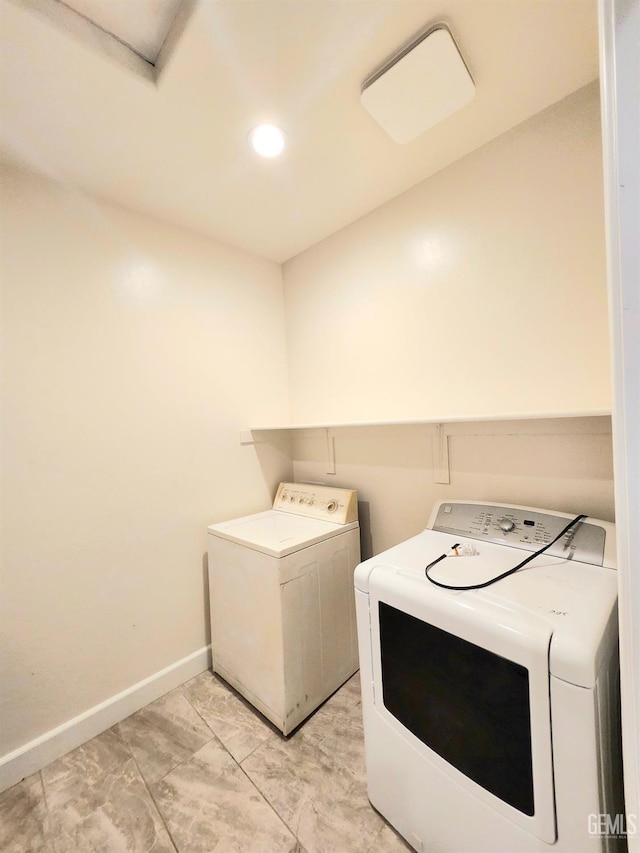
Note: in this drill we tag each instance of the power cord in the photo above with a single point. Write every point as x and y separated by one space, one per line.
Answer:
535 554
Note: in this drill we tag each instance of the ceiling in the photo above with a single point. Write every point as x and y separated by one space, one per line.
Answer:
142 25
171 140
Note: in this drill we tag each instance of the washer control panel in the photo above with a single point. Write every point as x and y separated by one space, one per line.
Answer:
521 527
324 502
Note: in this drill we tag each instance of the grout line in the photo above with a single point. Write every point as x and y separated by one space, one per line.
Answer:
234 693
255 748
147 788
292 828
182 761
293 831
250 780
163 821
44 790
214 735
48 830
241 768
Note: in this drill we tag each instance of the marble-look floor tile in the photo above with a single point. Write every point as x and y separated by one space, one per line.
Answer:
337 729
346 825
164 734
239 727
303 794
210 806
24 821
98 801
350 692
389 841
318 797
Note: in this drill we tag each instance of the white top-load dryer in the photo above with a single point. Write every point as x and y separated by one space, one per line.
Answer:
491 715
283 630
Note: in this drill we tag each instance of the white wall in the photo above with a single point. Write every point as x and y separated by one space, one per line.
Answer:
480 291
132 353
564 464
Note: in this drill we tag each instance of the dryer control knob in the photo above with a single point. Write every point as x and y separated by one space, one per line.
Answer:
506 525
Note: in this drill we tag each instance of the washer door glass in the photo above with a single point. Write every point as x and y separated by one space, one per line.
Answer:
465 679
467 704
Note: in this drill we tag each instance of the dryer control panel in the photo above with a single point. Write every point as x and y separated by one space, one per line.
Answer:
324 502
523 527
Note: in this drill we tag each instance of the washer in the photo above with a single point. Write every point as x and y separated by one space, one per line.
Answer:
283 629
491 716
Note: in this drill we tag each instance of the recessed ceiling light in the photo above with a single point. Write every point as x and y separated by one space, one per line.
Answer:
267 140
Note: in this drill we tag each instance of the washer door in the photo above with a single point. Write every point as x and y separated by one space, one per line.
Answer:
466 681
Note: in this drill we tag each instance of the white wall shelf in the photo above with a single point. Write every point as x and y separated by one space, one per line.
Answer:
442 428
251 435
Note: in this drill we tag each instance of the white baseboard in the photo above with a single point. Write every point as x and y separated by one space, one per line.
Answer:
36 754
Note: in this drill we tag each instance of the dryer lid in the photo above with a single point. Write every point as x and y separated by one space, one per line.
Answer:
277 533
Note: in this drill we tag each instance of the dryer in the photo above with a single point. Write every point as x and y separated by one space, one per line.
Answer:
491 716
283 629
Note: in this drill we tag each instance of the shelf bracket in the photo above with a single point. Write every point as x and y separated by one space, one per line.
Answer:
251 436
441 472
246 436
331 452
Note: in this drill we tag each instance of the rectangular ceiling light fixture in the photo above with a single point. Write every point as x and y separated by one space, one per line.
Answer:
424 85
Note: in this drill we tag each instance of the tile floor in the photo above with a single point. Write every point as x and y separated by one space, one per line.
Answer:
200 770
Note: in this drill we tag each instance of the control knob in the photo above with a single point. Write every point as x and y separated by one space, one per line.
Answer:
506 525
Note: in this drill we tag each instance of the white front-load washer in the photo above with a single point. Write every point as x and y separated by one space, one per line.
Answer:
283 629
491 715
